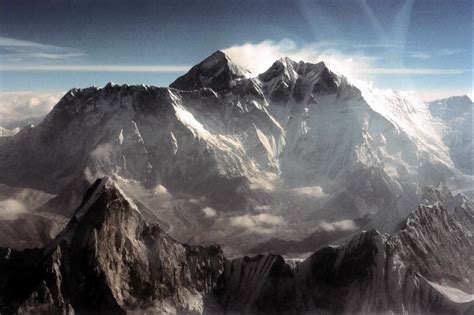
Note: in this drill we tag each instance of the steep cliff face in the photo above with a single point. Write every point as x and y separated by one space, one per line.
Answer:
109 259
409 272
148 134
426 268
251 285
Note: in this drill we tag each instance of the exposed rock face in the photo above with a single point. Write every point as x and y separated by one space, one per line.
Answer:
426 268
217 72
262 284
287 79
108 259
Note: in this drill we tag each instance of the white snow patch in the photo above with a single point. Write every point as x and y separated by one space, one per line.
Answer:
189 120
268 143
453 294
129 200
121 136
174 143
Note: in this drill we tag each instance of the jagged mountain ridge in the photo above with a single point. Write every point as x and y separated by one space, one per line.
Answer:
426 268
108 259
287 149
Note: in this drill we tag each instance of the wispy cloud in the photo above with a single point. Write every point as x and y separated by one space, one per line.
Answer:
95 68
413 71
263 223
12 42
26 56
418 54
15 50
343 225
259 57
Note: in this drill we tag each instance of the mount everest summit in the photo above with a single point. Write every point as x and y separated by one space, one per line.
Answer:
289 160
275 155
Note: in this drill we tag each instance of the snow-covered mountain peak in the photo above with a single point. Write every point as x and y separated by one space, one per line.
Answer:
215 59
287 80
281 67
215 132
291 69
217 72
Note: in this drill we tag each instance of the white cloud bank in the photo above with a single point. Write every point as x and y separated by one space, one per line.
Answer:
16 106
343 225
263 223
259 57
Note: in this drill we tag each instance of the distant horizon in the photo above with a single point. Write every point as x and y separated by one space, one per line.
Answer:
175 71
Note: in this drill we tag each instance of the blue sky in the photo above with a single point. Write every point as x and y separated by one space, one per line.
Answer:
51 46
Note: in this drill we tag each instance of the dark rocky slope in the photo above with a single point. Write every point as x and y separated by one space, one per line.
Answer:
427 268
108 259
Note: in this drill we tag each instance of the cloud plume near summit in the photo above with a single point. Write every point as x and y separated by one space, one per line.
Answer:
351 60
18 105
258 57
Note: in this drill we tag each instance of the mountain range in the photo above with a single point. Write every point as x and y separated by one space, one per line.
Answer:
240 156
108 259
116 200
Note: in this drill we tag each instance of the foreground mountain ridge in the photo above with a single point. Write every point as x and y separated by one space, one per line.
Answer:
109 259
